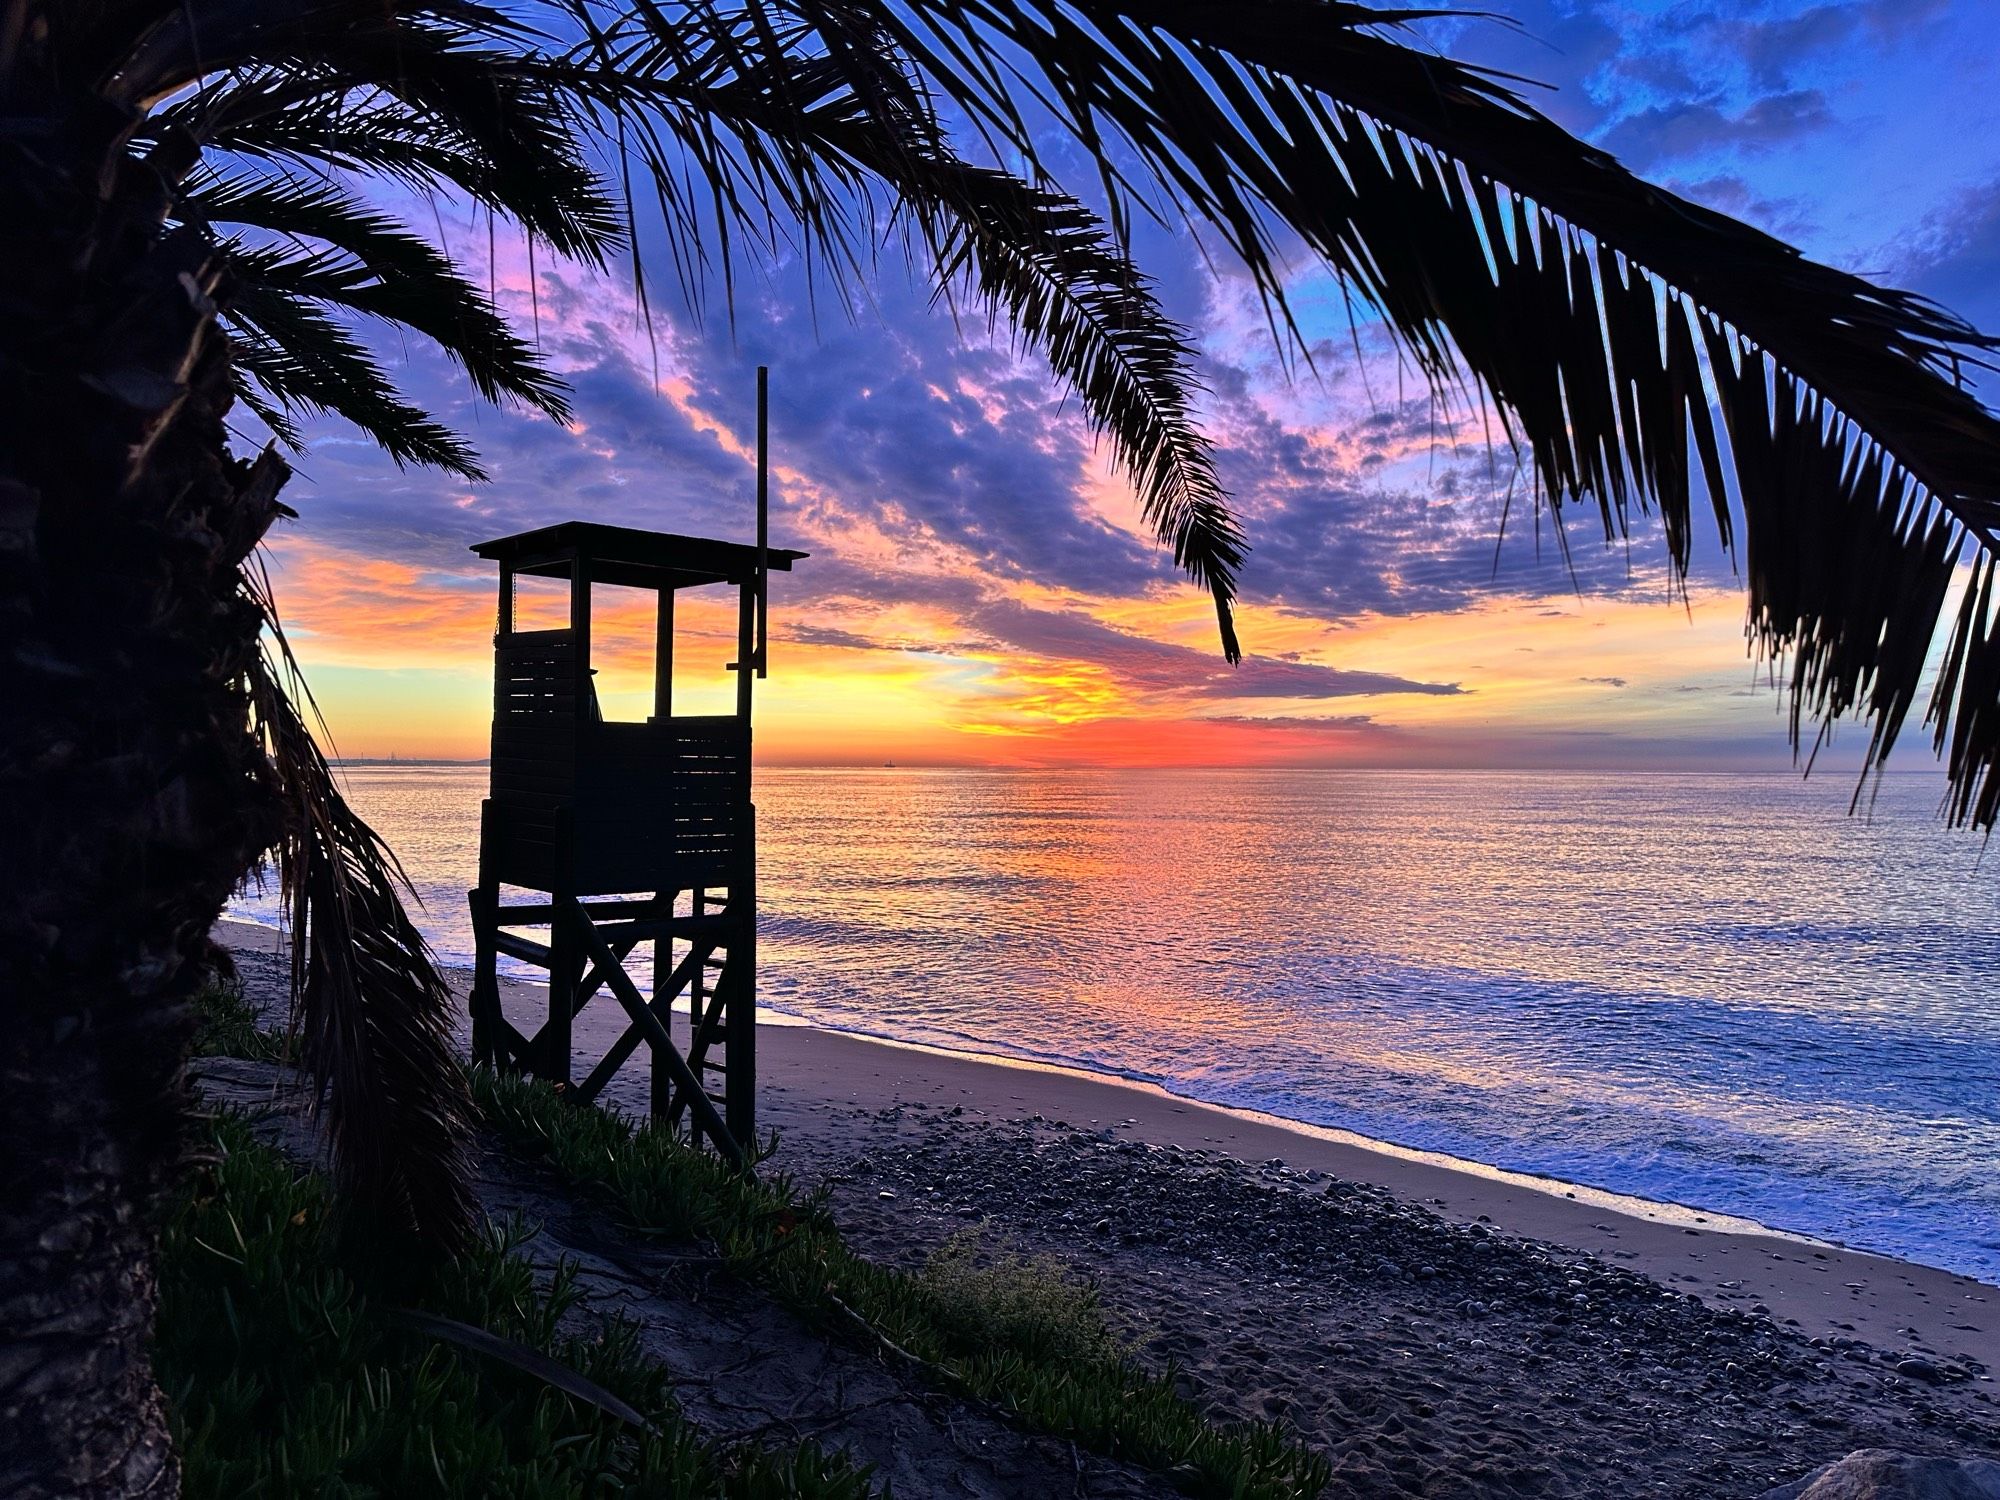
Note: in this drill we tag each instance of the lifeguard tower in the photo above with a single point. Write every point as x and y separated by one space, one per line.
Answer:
626 834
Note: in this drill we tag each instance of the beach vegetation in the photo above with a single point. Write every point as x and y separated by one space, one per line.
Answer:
226 1024
987 1293
295 1366
1024 1335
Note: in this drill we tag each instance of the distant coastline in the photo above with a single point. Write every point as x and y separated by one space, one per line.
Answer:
402 760
1822 773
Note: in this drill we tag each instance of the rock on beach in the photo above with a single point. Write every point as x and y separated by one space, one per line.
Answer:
1879 1474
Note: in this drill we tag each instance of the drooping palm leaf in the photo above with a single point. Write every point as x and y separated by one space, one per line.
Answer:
368 263
420 95
1050 266
333 120
369 1007
816 133
307 361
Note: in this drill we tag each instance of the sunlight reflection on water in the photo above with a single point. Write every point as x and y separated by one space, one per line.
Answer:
1716 990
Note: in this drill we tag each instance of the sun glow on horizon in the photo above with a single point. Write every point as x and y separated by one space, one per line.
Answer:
401 659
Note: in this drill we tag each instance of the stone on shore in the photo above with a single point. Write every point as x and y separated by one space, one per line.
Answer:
1880 1474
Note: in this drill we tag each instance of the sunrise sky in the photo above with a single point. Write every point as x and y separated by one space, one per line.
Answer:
981 590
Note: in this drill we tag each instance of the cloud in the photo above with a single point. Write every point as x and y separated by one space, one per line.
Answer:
850 640
1954 257
964 524
1733 194
1356 506
1774 48
1302 723
934 471
1674 132
1162 667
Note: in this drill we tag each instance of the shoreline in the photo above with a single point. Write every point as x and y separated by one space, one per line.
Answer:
1609 1199
1829 1291
809 1073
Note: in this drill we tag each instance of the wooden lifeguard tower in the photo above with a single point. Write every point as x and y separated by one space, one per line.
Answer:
626 834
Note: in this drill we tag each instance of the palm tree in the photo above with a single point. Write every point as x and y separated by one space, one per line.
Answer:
186 232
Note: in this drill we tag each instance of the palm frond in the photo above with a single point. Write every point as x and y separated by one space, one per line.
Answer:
375 266
371 1012
1627 338
1051 266
331 119
708 101
305 361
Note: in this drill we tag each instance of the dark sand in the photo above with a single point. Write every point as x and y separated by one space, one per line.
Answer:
1826 1290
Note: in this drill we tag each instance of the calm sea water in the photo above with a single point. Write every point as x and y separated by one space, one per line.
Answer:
1719 991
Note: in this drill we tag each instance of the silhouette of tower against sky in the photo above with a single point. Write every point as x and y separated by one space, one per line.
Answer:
621 838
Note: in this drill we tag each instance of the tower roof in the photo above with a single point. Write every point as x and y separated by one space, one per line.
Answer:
625 555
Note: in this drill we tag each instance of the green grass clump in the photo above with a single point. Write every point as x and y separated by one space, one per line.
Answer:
1023 1335
1036 1304
226 1026
289 1373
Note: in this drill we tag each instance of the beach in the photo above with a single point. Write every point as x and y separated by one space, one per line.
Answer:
1436 1328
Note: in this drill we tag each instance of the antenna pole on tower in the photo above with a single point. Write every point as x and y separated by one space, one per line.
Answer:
763 514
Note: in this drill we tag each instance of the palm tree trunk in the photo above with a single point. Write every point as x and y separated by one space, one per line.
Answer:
132 797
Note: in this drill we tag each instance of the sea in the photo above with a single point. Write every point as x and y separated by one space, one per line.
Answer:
1718 991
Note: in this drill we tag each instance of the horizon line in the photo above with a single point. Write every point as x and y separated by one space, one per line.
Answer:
1802 773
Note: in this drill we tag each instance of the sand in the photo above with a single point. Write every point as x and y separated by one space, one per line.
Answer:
1827 1290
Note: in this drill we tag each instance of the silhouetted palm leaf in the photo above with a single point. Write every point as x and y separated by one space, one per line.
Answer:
286 287
424 95
372 1015
304 360
338 121
1050 266
368 263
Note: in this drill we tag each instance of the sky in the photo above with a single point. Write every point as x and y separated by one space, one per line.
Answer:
981 588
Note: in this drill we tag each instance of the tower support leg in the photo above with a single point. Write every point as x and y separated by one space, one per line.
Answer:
484 1000
571 916
552 1047
740 1019
662 1087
